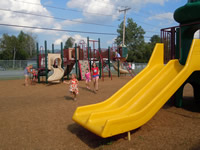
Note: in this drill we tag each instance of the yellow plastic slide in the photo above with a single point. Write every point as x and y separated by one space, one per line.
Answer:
138 101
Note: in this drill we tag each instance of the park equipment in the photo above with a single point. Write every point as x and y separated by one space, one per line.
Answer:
45 63
139 100
122 71
54 64
177 41
121 61
99 55
80 56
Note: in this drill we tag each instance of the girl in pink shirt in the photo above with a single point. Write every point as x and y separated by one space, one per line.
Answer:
95 76
87 78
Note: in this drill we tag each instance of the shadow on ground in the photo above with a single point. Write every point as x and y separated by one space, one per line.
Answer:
86 89
69 98
92 140
189 103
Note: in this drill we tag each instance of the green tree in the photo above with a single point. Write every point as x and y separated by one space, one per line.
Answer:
27 43
155 39
17 48
9 46
150 46
134 40
69 43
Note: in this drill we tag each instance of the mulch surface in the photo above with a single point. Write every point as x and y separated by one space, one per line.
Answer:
40 117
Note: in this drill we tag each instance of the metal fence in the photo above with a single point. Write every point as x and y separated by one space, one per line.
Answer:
10 69
15 64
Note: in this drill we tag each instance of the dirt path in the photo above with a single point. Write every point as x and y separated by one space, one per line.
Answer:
39 117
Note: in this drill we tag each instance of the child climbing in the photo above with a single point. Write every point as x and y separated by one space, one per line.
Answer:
73 86
95 76
87 78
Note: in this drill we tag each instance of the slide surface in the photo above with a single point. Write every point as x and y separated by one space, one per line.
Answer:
133 110
129 90
57 74
122 71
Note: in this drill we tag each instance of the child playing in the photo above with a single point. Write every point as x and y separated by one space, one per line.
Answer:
87 78
34 72
27 72
73 86
95 76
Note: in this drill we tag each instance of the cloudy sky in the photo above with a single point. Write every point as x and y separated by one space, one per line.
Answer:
90 16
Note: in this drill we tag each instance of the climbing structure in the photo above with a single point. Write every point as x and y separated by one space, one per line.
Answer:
142 97
177 41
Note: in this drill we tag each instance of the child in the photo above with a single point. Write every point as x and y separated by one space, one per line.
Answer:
27 72
117 55
73 86
87 78
129 66
95 76
34 72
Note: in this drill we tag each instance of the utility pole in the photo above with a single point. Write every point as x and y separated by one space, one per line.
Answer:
124 10
14 54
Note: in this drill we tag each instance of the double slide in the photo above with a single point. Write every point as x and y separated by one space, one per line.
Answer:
139 100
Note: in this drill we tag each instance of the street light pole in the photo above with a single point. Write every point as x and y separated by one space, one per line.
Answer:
124 26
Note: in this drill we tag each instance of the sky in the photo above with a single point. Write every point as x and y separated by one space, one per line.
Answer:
90 16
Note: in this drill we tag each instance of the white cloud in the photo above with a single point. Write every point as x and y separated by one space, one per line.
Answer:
72 22
165 19
107 7
110 42
163 16
9 17
64 38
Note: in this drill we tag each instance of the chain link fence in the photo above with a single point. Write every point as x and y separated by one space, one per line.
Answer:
10 69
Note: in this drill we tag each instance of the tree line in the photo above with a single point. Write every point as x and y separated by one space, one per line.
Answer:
19 47
138 50
23 46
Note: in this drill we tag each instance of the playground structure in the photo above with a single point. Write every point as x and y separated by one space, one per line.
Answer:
82 57
141 98
54 64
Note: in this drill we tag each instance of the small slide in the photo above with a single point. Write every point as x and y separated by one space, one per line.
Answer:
139 100
122 71
69 67
58 72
